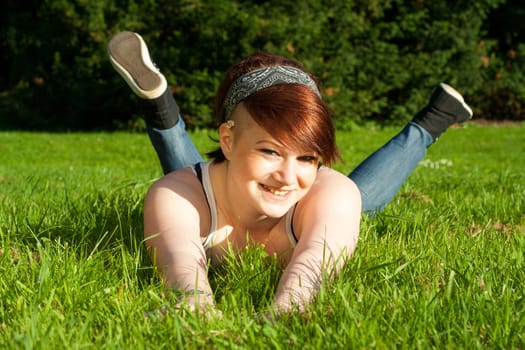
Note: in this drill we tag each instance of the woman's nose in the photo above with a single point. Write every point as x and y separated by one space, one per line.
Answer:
286 174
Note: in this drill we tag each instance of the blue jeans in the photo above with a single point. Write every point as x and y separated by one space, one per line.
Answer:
174 147
378 177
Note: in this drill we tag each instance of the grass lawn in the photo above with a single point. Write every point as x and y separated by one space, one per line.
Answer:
442 267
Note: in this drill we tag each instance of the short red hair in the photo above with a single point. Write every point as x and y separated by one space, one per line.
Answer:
292 113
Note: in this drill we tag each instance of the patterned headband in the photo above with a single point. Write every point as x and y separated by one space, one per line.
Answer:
259 79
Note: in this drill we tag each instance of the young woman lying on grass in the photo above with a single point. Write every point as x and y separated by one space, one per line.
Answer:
269 181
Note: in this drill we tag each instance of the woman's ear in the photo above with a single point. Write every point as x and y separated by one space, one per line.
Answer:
226 138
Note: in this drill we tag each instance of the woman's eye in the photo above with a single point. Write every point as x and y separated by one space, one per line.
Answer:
309 159
269 152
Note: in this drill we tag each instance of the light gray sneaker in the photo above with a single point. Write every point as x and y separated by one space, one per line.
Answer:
130 57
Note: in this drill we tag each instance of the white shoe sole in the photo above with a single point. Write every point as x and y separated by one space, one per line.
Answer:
130 57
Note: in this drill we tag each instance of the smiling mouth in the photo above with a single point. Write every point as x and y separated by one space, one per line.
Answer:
279 193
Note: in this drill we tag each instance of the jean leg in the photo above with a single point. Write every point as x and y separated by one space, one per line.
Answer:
380 176
174 147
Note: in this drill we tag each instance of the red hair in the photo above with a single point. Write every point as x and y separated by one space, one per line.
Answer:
292 113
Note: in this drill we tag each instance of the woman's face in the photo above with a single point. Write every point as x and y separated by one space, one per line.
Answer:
270 176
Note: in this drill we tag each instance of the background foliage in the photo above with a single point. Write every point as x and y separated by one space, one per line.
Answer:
378 60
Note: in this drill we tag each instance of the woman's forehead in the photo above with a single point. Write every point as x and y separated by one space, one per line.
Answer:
247 127
255 136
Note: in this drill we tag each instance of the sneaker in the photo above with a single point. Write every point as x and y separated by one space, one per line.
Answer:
445 107
461 117
129 56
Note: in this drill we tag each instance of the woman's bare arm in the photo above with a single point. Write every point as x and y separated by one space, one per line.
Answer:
172 222
327 223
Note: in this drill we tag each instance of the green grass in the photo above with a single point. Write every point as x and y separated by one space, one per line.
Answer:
442 267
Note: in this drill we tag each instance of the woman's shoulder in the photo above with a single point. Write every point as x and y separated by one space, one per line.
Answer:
184 175
328 178
332 208
181 184
176 201
332 188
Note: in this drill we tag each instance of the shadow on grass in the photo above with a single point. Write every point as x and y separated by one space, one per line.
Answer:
91 223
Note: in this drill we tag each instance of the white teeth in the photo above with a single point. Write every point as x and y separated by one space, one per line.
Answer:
279 193
276 192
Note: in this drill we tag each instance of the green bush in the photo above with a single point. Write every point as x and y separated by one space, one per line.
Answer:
505 68
378 60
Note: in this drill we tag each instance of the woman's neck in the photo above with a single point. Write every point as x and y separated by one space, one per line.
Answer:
232 209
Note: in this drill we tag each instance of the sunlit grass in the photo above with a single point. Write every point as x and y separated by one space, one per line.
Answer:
442 267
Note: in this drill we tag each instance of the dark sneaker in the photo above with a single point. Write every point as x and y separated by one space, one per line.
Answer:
446 107
464 112
129 56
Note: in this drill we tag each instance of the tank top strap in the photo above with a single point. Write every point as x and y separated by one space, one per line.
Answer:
202 172
289 226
